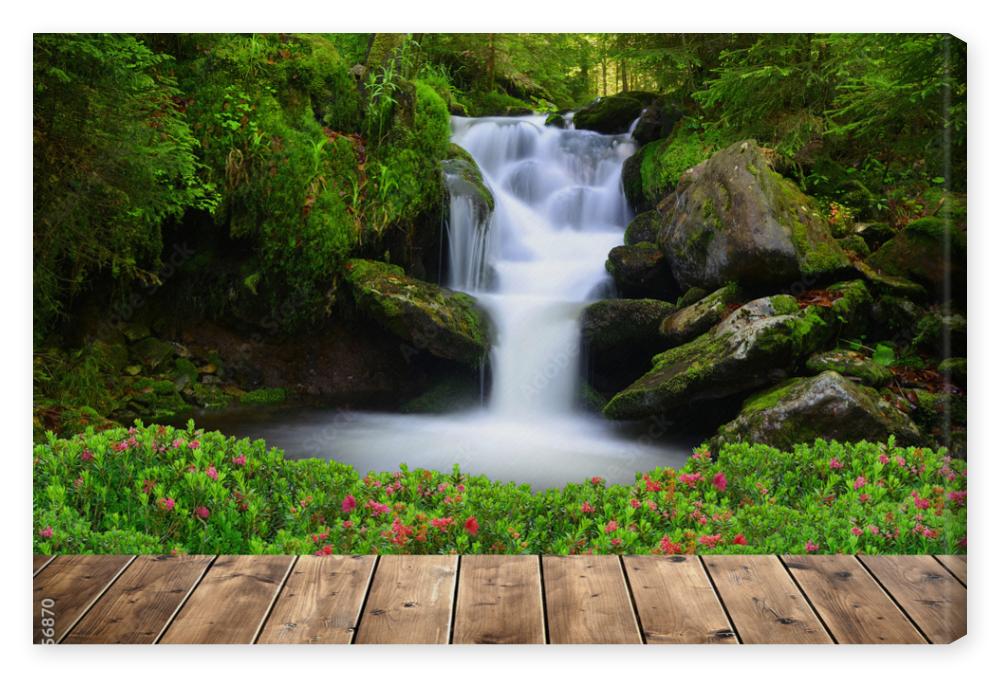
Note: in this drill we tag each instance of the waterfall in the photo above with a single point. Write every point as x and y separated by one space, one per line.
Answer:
559 210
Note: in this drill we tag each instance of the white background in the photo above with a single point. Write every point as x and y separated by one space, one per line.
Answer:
964 662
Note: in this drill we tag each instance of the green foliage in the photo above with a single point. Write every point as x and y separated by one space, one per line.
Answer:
664 161
114 158
264 396
142 490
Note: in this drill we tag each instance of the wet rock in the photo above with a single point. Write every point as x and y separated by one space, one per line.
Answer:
640 270
447 324
929 251
657 121
826 406
619 338
850 364
611 114
643 228
733 218
693 320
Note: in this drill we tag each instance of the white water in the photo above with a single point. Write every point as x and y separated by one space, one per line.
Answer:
533 265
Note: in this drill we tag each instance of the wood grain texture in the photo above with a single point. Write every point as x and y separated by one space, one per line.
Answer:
39 561
930 596
231 602
957 564
321 602
763 602
676 602
410 601
499 601
850 602
140 604
587 601
68 586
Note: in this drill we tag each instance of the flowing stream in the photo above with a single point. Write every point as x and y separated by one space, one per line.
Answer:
533 264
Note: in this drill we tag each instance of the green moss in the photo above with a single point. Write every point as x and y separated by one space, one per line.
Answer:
691 296
494 103
784 304
264 396
643 228
769 398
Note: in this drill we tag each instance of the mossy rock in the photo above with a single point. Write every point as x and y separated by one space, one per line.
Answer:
936 413
657 120
827 406
759 343
463 177
850 364
152 353
111 356
451 394
942 334
693 320
690 296
134 331
654 171
611 114
895 316
929 251
556 120
954 369
640 270
854 245
734 219
622 325
208 396
185 373
874 234
893 285
448 324
643 228
262 396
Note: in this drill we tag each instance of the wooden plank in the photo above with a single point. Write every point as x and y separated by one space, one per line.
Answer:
763 602
231 602
853 606
137 608
66 588
957 564
676 602
321 602
39 561
410 601
587 601
931 596
499 601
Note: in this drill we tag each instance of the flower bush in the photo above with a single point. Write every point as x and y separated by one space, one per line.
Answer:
159 489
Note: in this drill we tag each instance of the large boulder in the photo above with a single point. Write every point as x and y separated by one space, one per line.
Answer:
733 218
643 228
612 114
759 344
619 338
691 321
826 406
640 270
930 251
657 121
447 324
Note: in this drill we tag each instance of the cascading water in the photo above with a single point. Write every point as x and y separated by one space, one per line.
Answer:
559 210
533 263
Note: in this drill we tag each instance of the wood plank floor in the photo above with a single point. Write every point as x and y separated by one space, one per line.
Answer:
499 599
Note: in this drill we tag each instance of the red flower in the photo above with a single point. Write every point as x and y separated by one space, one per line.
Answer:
635 504
46 532
616 541
86 455
856 531
859 482
957 496
611 527
596 480
719 481
240 460
919 502
472 525
587 508
194 444
739 539
212 473
202 512
811 546
348 504
377 507
166 504
710 540
667 546
690 479
834 464
442 523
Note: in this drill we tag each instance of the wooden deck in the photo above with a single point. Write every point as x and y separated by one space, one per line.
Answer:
499 599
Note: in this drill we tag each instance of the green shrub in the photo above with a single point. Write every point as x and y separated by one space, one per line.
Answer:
158 489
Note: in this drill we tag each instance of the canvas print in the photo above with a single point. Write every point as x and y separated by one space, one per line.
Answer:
483 338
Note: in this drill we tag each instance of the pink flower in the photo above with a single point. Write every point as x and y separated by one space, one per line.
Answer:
811 546
472 525
615 542
719 481
348 504
856 531
46 532
611 527
651 506
587 508
739 539
634 503
668 546
957 496
859 482
240 460
864 497
377 507
212 473
596 480
690 479
442 487
194 444
651 485
873 529
834 464
86 455
348 524
442 523
178 443
919 502
166 504
202 512
120 446
710 540
883 458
